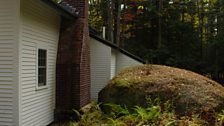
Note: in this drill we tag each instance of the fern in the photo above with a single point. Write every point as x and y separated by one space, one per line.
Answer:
117 110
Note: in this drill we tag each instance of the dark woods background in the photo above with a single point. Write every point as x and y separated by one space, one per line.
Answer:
182 33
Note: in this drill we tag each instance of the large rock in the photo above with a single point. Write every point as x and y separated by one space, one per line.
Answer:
189 92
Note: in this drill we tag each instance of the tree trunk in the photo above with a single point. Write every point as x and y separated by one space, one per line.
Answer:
159 24
117 17
109 21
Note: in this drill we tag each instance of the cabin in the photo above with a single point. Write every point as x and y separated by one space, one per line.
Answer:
107 59
45 55
40 41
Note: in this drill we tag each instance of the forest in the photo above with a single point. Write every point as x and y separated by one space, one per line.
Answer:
187 34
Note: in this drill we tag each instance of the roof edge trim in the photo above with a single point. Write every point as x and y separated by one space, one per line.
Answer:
61 9
108 43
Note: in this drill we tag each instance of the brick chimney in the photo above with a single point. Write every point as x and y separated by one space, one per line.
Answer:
73 60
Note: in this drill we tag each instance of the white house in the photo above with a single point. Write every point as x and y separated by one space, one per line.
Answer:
106 61
29 34
30 31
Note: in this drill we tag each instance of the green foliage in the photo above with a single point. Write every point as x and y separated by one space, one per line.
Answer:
147 115
117 110
120 115
115 122
220 118
153 102
152 115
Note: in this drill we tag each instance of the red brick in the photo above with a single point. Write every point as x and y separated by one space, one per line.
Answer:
73 61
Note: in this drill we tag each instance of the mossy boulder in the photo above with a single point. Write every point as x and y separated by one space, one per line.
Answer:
189 92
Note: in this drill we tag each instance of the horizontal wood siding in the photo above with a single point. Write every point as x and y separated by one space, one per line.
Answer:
7 62
100 66
39 28
113 64
124 61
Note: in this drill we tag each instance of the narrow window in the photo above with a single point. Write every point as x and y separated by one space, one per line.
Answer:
42 67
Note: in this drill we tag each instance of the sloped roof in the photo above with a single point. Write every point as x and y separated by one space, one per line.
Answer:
114 46
63 8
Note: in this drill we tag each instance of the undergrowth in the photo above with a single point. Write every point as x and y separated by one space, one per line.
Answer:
153 115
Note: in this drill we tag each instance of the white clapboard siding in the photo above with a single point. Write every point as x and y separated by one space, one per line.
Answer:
113 64
124 61
8 43
100 66
39 28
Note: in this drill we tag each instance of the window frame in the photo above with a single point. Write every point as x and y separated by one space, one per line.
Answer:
40 87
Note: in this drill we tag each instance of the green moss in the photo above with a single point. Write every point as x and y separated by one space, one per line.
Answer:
121 82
